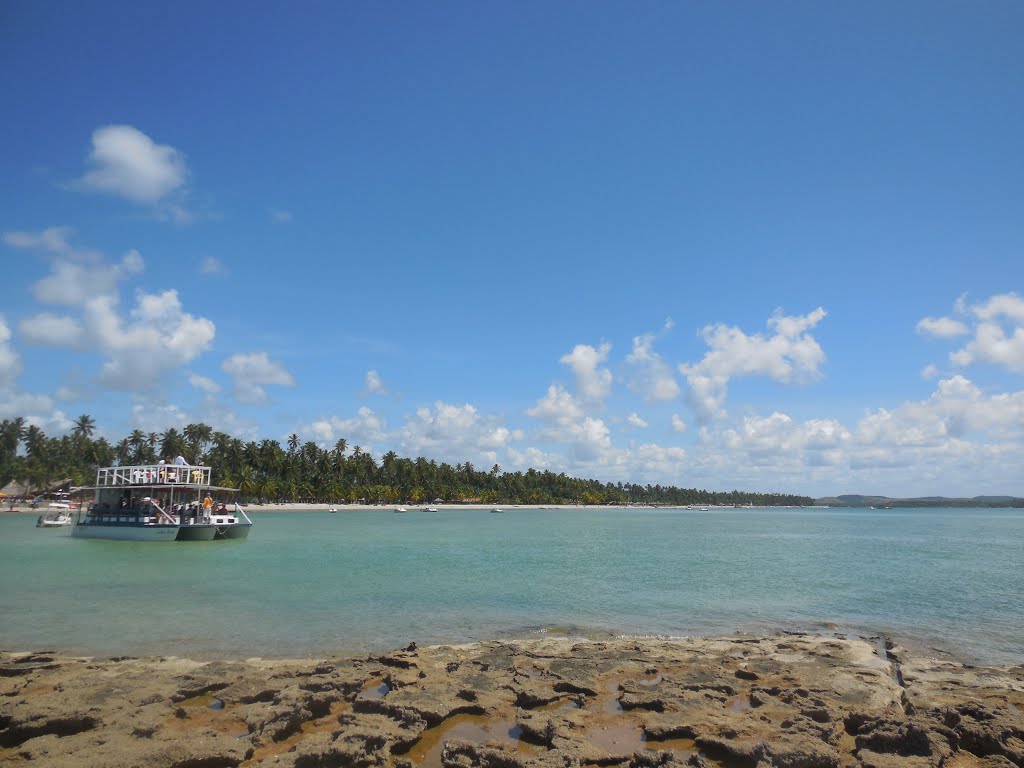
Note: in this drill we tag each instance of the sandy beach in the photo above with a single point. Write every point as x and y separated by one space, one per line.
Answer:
792 701
326 507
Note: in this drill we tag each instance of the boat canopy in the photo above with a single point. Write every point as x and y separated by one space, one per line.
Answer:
182 475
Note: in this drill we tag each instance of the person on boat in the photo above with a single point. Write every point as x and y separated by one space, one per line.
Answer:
207 506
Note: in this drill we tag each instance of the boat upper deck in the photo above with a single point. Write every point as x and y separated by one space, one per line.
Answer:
152 474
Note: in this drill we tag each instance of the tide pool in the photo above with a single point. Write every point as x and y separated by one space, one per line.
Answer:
312 583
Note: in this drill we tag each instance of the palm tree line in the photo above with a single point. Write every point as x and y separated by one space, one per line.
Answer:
304 472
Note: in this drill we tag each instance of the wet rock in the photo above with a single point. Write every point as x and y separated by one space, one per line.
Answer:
804 702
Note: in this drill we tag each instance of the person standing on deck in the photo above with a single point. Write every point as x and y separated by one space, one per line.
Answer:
207 506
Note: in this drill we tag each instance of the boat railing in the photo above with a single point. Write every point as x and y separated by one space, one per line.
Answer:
166 518
152 474
239 510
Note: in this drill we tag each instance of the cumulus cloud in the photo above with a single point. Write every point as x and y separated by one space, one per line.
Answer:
251 372
678 424
789 354
941 327
52 330
592 381
76 273
996 327
373 384
991 344
204 384
636 421
558 406
156 338
158 417
651 377
449 431
51 240
654 460
10 361
364 429
128 163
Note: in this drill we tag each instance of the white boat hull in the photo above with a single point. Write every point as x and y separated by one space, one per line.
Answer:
125 532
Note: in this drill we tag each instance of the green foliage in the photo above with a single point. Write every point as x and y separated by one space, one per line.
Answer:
307 473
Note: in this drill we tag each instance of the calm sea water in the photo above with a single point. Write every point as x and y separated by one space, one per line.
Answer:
308 584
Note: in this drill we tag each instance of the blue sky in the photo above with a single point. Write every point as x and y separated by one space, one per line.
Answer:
760 246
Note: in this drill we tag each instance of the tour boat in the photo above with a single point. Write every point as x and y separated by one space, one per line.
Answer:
160 502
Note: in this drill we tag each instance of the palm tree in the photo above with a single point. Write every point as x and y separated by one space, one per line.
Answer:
85 425
136 441
293 442
198 437
172 443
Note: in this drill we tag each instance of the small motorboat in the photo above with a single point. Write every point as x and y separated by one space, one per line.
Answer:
57 516
430 509
332 510
401 509
497 509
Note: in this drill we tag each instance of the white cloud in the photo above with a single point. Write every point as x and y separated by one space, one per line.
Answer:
204 384
211 265
669 462
1008 305
158 338
158 417
52 330
636 421
127 163
592 382
929 372
991 345
364 429
651 377
373 384
281 217
557 407
10 362
51 240
251 372
76 273
941 327
456 433
997 326
678 425
790 354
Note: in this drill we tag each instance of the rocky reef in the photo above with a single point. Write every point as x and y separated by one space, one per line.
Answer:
792 701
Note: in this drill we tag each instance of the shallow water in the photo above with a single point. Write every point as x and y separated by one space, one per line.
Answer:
312 583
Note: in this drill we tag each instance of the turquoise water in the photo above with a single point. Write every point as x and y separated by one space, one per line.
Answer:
308 584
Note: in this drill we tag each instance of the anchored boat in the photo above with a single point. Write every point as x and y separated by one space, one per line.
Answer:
161 502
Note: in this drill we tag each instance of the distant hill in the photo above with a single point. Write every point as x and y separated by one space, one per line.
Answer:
857 500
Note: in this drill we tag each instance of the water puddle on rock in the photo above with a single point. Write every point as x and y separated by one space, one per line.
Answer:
375 689
209 711
609 703
479 729
651 678
739 704
682 748
558 705
618 739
